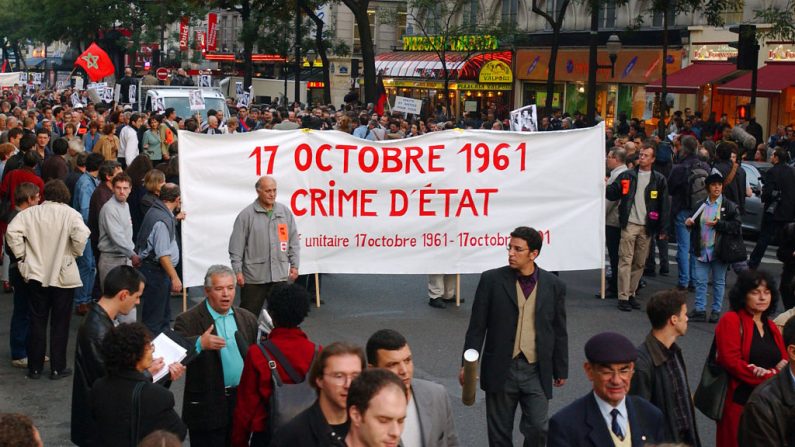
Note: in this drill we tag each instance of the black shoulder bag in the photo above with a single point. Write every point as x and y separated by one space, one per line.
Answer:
135 420
710 394
287 399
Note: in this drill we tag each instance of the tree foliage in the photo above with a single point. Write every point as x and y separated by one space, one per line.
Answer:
782 19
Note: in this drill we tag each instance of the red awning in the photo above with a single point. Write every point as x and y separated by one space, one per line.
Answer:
690 78
771 80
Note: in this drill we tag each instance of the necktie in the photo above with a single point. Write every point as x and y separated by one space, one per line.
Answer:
614 424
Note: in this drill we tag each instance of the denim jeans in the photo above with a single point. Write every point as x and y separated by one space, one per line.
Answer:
88 272
20 317
702 271
156 299
684 259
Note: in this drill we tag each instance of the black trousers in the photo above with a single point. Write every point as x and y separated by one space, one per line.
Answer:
254 296
53 304
613 237
787 288
220 437
766 234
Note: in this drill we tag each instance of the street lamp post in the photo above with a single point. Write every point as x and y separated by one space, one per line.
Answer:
613 48
311 56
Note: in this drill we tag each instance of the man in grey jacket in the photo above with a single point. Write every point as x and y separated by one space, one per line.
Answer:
264 247
116 244
429 416
617 163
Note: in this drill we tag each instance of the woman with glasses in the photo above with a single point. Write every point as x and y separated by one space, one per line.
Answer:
288 305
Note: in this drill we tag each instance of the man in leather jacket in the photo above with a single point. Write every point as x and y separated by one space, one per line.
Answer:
768 416
123 288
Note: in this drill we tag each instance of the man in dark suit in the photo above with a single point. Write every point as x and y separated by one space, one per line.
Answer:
520 311
221 334
607 416
429 416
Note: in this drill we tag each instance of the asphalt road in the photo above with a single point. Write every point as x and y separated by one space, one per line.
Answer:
357 305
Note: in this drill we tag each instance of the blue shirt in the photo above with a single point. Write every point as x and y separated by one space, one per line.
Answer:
231 361
84 188
605 408
159 242
360 132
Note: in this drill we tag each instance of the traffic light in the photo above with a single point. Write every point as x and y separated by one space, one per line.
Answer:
744 112
747 48
354 68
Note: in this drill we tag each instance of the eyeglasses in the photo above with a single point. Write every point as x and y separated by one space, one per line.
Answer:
516 249
341 378
623 373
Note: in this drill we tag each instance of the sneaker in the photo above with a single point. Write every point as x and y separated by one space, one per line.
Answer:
634 303
34 375
452 300
58 375
697 316
437 303
624 306
714 317
20 363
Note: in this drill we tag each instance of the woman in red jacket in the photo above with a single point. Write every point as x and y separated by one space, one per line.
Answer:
287 305
749 346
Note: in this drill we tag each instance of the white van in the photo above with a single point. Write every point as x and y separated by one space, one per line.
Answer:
177 97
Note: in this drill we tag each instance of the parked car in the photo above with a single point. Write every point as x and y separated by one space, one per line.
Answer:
754 210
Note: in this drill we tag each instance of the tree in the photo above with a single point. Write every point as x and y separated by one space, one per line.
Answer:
556 23
359 10
782 20
321 45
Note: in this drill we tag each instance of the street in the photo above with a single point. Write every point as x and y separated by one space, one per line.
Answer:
357 305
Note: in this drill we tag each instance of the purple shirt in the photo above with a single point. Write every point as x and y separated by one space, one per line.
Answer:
527 283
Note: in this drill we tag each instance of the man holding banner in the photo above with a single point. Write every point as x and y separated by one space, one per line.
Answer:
264 247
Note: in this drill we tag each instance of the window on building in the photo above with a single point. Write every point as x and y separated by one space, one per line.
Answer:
657 16
553 9
510 9
734 14
607 14
400 24
357 44
469 14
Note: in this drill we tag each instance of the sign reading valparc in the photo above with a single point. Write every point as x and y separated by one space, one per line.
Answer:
495 72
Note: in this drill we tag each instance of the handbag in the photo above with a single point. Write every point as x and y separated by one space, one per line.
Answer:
731 248
287 399
135 423
710 395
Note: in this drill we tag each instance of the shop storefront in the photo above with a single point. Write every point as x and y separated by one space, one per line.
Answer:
477 80
623 92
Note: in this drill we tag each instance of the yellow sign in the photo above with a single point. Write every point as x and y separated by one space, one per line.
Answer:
495 71
457 43
479 86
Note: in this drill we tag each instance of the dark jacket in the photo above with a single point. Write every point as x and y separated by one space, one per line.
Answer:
729 223
581 424
310 429
768 419
494 317
624 189
159 212
89 366
111 406
780 178
734 191
204 405
652 382
678 185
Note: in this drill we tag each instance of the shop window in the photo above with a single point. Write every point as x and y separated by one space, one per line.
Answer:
357 44
607 14
553 9
510 9
657 16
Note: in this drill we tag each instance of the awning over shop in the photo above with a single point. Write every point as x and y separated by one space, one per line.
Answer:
692 77
427 65
771 80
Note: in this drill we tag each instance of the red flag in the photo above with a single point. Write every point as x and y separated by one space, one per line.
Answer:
96 62
380 96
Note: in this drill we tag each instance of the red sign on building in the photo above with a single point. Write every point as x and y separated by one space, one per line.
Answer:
212 31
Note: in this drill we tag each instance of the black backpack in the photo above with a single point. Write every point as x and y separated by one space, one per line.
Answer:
696 185
287 399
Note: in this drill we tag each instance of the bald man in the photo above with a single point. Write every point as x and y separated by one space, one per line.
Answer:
264 246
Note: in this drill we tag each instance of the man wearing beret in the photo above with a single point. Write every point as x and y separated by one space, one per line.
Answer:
607 416
518 322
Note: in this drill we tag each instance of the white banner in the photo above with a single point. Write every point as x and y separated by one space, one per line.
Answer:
14 77
407 105
444 202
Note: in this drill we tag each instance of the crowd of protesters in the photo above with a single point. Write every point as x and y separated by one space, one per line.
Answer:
91 213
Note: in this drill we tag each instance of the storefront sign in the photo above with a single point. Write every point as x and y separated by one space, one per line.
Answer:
443 202
315 84
633 66
495 71
478 86
461 85
713 52
781 53
459 43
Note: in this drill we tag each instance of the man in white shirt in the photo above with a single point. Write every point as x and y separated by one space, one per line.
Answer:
129 140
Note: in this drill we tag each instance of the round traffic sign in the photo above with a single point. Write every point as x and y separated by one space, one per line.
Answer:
162 74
